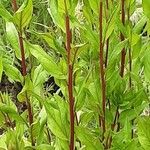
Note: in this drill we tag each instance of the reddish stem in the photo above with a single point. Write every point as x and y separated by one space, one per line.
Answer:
123 53
107 41
130 79
130 55
23 62
14 5
102 73
70 78
24 72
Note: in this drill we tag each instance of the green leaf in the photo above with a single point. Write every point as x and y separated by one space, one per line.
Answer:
40 147
61 144
11 112
111 23
139 26
46 61
86 117
144 132
39 76
57 13
88 139
117 50
87 12
35 129
128 113
5 14
146 6
51 41
12 72
3 145
94 6
81 91
12 37
43 121
54 120
22 96
23 15
44 147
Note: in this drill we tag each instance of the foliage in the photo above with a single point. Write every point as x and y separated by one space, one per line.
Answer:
37 42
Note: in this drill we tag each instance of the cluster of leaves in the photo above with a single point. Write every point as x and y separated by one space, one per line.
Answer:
43 28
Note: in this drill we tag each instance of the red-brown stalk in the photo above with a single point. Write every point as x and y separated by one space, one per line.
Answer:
101 60
24 70
70 78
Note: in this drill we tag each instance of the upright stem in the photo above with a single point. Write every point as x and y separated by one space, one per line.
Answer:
107 41
102 73
70 78
130 55
123 53
23 62
130 70
24 72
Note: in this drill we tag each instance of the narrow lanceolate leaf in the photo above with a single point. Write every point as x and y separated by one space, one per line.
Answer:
12 37
56 15
144 132
12 72
23 15
94 5
46 61
5 14
111 23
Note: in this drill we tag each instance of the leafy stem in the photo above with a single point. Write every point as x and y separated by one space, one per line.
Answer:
123 53
24 72
102 73
70 77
